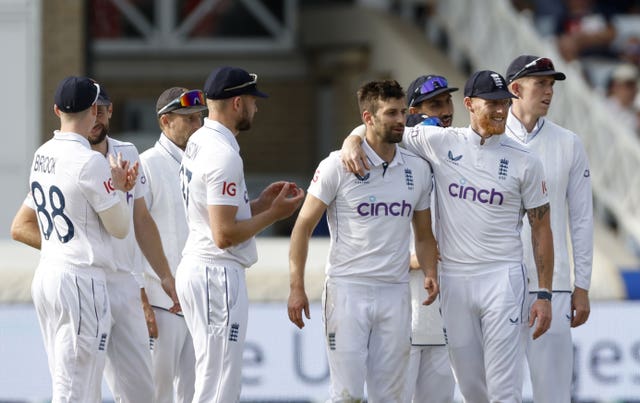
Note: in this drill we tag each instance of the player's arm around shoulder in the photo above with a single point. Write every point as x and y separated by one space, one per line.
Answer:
308 218
421 139
355 159
352 154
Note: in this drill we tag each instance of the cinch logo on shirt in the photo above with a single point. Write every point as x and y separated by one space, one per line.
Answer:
476 195
375 209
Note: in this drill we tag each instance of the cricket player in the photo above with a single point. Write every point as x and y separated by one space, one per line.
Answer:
223 222
429 377
128 367
179 116
484 184
71 214
366 303
550 357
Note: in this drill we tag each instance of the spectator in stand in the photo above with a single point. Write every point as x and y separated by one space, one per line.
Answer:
546 14
622 89
629 50
585 29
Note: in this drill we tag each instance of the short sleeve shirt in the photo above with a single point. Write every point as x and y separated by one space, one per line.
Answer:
126 249
212 173
370 217
482 192
69 186
164 200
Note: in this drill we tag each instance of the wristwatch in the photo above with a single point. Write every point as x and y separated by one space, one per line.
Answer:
543 293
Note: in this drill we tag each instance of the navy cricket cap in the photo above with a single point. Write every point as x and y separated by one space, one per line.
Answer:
528 65
76 94
487 84
425 87
226 82
103 97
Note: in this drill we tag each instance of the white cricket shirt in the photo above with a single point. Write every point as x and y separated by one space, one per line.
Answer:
482 192
125 250
569 183
370 217
69 185
212 173
164 200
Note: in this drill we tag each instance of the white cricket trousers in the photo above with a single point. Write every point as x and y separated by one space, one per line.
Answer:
128 369
368 337
215 306
483 319
73 310
173 359
550 356
429 376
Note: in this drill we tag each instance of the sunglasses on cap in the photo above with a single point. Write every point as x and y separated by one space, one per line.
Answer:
430 85
187 99
97 93
254 80
540 64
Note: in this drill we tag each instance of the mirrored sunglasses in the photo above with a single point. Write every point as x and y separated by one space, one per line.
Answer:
187 99
540 64
253 81
97 93
430 85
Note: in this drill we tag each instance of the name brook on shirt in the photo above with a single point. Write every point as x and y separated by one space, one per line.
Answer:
44 164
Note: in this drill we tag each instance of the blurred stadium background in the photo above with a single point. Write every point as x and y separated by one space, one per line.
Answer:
310 56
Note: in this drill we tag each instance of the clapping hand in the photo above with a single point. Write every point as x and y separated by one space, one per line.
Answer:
123 177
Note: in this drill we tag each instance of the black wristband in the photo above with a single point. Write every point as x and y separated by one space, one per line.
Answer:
544 295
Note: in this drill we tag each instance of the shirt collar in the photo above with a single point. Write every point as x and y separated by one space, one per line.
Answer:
375 159
224 131
109 146
475 139
517 129
170 147
57 134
